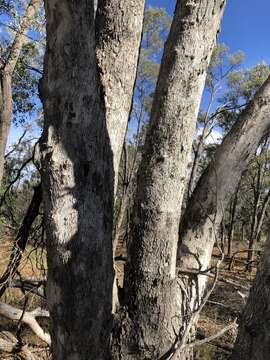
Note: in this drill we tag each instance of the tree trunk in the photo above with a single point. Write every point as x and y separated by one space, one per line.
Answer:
253 340
150 279
77 179
254 222
204 212
232 223
194 171
118 42
5 116
6 73
87 99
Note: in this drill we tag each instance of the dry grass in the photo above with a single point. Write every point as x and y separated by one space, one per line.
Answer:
33 265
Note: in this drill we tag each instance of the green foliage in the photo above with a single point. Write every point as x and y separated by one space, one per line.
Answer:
29 65
25 85
222 63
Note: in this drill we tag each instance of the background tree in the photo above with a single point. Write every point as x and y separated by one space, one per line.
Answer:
9 56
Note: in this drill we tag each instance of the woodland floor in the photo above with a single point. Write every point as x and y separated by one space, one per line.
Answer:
225 303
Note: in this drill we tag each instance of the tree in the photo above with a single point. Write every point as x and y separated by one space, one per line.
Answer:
253 335
222 65
150 278
80 146
86 99
205 210
8 63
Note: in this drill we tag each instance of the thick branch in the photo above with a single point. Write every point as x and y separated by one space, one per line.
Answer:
28 317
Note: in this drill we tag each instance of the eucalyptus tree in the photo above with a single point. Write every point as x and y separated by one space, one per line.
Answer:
9 57
90 67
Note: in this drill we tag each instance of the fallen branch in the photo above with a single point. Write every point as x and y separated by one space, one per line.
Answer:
27 317
212 337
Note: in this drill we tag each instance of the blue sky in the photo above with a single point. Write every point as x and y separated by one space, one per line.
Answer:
246 27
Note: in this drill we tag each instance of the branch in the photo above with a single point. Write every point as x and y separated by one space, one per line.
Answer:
20 38
27 317
21 239
212 337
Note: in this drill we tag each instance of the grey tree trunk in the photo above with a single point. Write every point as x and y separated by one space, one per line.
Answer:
200 223
232 223
150 278
253 340
6 73
119 30
5 116
90 63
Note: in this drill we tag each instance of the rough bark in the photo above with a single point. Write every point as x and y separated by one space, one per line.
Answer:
150 277
6 73
118 36
200 223
253 340
119 30
90 68
77 179
195 165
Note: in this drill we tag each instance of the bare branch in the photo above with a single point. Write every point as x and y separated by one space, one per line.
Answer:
28 317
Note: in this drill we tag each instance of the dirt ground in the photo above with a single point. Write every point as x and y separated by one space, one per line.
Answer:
224 306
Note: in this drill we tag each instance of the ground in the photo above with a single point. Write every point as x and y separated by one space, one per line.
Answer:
224 306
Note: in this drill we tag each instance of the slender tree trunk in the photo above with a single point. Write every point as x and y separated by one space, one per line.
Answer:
150 281
21 240
262 216
90 65
119 31
6 73
194 171
232 223
257 223
204 212
253 340
5 115
254 221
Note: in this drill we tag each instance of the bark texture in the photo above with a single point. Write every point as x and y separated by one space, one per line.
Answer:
205 210
119 30
6 73
150 277
77 178
90 69
253 340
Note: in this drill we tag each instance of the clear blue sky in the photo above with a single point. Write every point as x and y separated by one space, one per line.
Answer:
246 27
